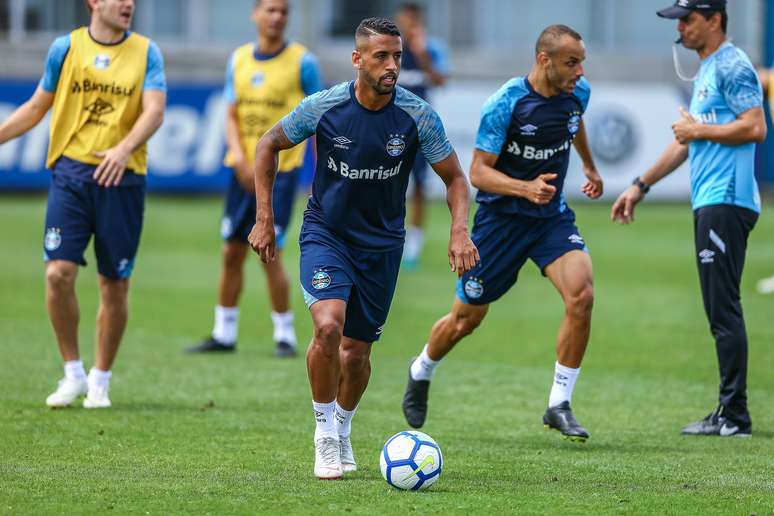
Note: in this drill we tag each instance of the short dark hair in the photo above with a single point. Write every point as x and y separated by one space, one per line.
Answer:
547 39
372 26
723 17
411 8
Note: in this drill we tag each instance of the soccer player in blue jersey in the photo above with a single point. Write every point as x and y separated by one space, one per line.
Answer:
369 132
424 66
264 81
519 166
106 89
718 136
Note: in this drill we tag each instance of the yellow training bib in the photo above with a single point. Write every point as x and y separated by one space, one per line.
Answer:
98 99
266 91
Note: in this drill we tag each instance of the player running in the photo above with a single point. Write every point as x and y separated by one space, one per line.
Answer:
264 81
368 134
107 89
718 137
519 166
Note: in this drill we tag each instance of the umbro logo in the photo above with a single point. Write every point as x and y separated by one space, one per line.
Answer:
528 130
341 142
576 239
707 256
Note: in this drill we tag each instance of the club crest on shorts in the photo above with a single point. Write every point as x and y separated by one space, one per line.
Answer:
395 146
473 288
321 280
101 61
573 124
53 239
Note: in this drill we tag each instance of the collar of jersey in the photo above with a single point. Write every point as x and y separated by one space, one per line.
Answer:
727 43
361 106
98 42
532 90
265 57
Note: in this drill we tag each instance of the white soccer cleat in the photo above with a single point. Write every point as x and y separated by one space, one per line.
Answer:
327 458
68 391
97 397
348 464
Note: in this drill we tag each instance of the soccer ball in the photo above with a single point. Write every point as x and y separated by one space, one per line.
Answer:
411 460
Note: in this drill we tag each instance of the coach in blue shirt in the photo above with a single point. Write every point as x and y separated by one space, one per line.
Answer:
718 136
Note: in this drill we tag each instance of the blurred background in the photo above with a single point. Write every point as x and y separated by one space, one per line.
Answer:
635 91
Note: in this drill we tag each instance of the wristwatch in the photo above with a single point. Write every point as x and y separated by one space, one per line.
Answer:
642 186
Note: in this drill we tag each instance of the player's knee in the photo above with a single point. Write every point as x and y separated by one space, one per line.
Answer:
328 334
581 303
465 324
60 275
233 256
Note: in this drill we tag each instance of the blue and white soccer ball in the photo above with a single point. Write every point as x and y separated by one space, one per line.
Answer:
411 460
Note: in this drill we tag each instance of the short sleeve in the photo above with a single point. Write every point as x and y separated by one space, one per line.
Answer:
311 78
439 55
739 83
301 123
54 61
154 72
229 93
583 92
496 117
432 136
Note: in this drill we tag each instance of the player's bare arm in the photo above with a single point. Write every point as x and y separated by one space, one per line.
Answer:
114 162
593 188
244 173
463 255
485 177
672 157
749 127
27 116
262 238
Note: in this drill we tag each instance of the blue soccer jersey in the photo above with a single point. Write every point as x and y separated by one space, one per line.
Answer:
364 158
726 87
531 135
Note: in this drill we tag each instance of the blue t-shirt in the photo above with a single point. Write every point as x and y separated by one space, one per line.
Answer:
726 87
364 160
311 77
154 71
412 77
531 135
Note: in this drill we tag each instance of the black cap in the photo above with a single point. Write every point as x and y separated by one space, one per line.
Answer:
683 8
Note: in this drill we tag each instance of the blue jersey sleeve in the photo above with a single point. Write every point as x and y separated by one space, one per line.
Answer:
432 137
154 72
439 55
496 116
229 93
56 56
311 78
738 82
301 123
583 92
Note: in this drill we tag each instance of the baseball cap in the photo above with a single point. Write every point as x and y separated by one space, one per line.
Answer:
683 8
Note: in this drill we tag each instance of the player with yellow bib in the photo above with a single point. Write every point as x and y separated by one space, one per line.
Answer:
106 88
264 82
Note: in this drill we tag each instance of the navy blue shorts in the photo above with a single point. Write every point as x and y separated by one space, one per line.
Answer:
239 213
330 269
505 242
419 172
79 208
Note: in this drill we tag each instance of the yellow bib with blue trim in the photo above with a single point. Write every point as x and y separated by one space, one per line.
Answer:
98 99
266 91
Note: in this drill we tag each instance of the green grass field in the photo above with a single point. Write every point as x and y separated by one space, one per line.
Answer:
233 434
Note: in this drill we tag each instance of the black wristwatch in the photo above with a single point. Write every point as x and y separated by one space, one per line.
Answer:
642 186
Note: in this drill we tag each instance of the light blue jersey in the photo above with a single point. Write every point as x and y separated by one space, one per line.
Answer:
726 87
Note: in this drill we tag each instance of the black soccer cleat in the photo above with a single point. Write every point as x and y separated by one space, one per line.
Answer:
285 350
562 419
211 344
415 400
716 424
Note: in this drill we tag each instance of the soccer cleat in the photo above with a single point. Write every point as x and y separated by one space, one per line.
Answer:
327 459
415 400
716 424
67 392
348 464
285 350
562 419
211 344
97 397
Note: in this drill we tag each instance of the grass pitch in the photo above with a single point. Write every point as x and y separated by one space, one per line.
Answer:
233 434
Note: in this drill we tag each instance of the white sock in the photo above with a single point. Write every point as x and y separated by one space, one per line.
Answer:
226 324
283 327
73 370
99 378
564 383
343 420
326 424
414 239
423 367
